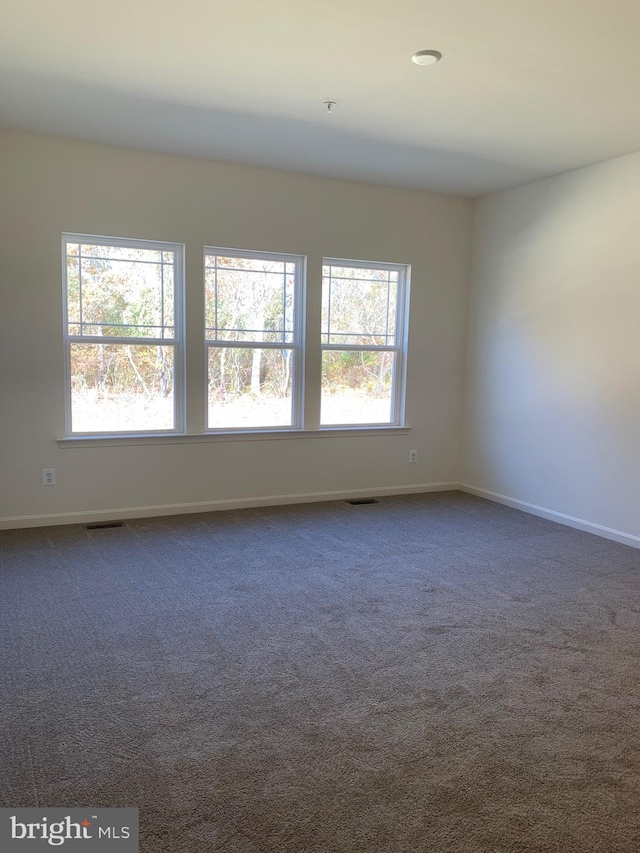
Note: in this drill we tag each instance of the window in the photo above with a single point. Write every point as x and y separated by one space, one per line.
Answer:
253 331
125 341
123 335
363 342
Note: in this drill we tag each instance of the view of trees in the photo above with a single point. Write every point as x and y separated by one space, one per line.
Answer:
356 386
249 302
120 304
117 292
358 309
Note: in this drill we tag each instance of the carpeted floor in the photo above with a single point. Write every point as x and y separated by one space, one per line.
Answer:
431 673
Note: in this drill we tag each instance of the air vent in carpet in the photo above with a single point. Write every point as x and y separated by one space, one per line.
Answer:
103 525
363 501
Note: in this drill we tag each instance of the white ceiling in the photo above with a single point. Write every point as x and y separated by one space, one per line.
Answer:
525 89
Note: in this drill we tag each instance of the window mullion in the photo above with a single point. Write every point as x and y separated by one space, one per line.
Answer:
79 289
251 344
107 340
359 347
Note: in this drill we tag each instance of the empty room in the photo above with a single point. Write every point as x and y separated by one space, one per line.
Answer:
319 426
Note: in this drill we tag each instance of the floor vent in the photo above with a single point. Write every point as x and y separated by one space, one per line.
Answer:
363 501
104 525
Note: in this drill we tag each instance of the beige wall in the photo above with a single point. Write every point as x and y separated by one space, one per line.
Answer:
48 186
553 381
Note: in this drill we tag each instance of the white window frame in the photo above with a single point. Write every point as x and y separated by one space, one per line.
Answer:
399 379
177 342
297 344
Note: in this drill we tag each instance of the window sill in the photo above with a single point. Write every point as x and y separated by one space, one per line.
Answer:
236 435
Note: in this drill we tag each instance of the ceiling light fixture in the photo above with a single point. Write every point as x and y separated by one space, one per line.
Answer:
426 57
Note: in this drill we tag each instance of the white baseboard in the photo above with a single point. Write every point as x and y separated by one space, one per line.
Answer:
552 515
9 523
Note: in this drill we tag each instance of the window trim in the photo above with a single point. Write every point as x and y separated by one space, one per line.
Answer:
177 342
298 427
120 440
297 345
399 379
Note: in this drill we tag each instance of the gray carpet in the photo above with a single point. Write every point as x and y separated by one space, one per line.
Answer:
431 673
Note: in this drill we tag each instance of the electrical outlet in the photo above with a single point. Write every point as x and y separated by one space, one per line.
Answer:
413 456
48 476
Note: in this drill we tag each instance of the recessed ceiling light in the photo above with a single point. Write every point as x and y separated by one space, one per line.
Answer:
426 57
